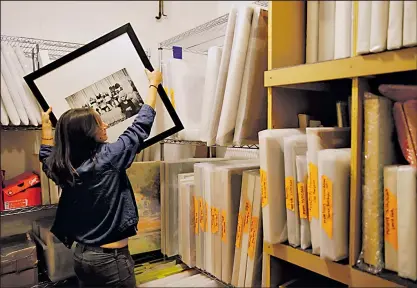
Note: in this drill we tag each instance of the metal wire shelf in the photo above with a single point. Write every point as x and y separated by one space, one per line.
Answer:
201 143
25 210
56 49
20 128
199 39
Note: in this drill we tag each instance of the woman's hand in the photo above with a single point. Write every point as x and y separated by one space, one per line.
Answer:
155 77
45 117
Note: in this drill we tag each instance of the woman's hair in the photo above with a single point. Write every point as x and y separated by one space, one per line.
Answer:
75 143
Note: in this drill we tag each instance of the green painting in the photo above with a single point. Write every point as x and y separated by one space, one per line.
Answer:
145 180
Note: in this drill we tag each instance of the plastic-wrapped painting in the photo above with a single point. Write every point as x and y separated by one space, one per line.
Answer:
145 180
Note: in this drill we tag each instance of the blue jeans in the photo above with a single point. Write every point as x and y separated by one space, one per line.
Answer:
101 267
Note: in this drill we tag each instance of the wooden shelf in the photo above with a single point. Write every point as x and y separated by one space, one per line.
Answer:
359 66
339 272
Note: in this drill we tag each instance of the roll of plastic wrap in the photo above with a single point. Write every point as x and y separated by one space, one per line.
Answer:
319 139
235 76
9 105
334 187
326 30
364 27
343 25
410 24
379 26
44 58
391 217
252 110
395 25
186 80
271 154
407 222
312 43
214 118
15 95
212 72
17 74
34 107
302 176
378 153
3 115
293 146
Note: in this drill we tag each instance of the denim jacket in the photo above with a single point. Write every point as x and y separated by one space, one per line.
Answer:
101 208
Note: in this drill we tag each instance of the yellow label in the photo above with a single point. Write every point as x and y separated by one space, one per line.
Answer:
289 193
223 216
214 220
172 96
252 237
201 210
239 230
302 200
313 203
327 206
248 214
206 215
263 188
391 218
195 215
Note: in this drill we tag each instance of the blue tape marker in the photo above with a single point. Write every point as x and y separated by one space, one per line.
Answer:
177 52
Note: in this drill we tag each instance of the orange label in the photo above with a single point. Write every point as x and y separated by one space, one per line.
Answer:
264 192
248 214
223 219
313 195
391 218
195 215
206 215
253 237
239 230
327 206
214 220
289 193
302 200
201 211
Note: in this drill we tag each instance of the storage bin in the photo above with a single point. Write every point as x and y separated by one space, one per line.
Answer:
19 262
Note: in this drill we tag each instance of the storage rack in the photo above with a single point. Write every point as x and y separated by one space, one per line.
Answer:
198 40
286 66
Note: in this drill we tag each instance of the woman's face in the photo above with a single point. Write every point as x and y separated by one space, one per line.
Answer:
101 136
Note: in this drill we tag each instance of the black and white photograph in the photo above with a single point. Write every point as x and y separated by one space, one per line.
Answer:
115 98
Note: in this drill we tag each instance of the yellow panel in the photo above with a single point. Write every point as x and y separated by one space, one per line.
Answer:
372 64
286 33
339 272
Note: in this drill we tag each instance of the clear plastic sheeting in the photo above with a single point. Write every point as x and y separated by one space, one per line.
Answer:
319 139
212 72
252 110
187 83
235 76
334 192
312 33
274 215
326 30
379 26
343 26
395 24
407 222
378 153
214 117
302 176
410 23
364 27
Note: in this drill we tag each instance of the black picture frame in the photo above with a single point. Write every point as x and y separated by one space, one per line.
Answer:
127 28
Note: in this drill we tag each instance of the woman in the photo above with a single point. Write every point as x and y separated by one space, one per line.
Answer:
97 209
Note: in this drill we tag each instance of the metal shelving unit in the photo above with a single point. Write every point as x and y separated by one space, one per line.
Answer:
198 40
25 210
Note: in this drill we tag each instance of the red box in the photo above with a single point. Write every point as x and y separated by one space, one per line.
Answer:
2 176
22 191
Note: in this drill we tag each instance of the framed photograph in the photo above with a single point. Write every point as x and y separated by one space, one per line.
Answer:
108 75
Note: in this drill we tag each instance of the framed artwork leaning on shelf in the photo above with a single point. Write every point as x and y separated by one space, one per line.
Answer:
107 75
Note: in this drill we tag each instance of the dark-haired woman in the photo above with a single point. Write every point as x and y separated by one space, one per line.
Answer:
97 209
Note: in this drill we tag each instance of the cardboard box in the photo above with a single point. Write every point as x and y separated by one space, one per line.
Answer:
22 191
